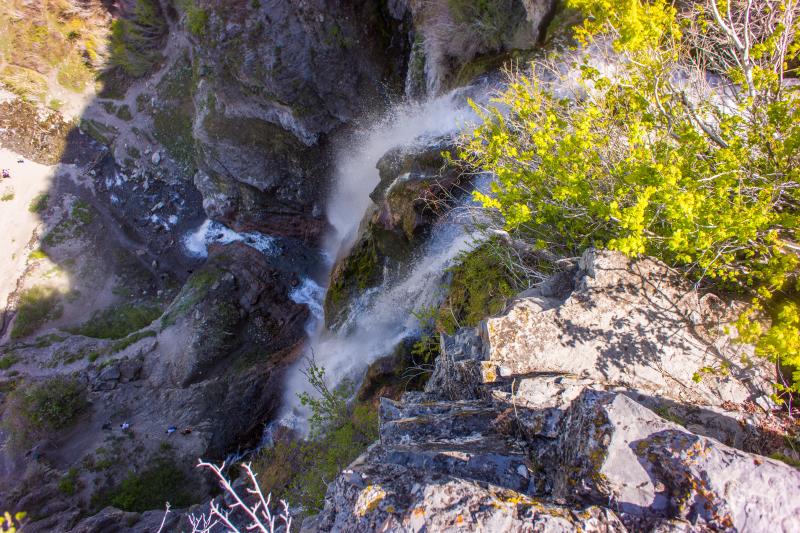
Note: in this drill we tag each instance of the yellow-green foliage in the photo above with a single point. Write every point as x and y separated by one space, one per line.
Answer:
49 36
24 82
641 167
196 17
9 523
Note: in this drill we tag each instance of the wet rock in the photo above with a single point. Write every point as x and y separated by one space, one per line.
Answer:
236 278
461 40
413 192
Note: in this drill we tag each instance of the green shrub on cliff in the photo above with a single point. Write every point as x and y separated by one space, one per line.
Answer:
196 18
135 41
118 321
38 409
491 20
299 471
142 491
645 162
37 306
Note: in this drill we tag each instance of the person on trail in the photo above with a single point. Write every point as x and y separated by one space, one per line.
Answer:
6 173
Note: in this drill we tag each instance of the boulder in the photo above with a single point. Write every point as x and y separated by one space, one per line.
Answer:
631 323
614 451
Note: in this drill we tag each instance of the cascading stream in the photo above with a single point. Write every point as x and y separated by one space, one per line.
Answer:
381 317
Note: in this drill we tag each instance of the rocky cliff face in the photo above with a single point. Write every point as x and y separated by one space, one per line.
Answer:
275 81
189 186
576 410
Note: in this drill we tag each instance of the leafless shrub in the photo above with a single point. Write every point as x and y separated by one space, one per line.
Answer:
253 508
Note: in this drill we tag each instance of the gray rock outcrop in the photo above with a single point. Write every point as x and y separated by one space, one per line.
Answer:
550 417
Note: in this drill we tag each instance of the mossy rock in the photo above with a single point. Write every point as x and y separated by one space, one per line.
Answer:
486 63
253 133
173 117
360 270
481 286
102 133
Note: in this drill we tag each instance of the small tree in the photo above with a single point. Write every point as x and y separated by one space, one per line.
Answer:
328 406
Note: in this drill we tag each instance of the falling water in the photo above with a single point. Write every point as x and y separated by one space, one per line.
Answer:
381 317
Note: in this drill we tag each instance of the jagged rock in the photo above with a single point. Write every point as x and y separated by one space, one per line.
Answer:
542 408
112 519
110 373
628 323
614 451
278 86
130 369
369 497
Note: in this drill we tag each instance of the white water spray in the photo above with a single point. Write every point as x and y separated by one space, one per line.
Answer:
381 317
196 242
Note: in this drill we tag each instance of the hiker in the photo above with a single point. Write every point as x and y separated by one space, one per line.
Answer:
171 430
6 174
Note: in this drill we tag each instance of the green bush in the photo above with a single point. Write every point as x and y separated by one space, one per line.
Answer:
162 482
118 321
35 410
481 285
39 203
196 18
37 306
643 168
68 484
135 42
299 471
7 361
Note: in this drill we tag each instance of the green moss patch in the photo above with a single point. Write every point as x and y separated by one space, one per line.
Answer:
118 321
39 203
173 117
481 286
299 471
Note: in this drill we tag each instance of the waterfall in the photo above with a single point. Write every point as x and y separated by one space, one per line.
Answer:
383 316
